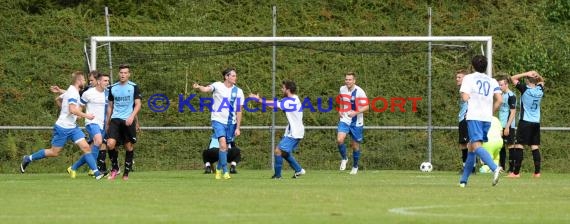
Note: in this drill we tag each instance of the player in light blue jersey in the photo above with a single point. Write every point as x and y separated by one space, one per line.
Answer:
479 90
507 112
352 105
124 105
66 128
528 131
462 125
294 132
226 115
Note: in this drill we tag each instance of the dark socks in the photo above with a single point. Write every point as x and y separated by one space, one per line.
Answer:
503 156
511 160
101 165
113 156
463 155
518 160
128 162
536 159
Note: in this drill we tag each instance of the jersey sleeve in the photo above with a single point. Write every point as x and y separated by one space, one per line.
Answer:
361 97
512 101
81 91
541 87
466 85
84 98
279 103
495 86
215 86
111 98
73 97
288 104
137 92
241 97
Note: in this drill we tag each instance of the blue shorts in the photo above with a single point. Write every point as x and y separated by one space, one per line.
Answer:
224 130
61 135
478 130
288 144
355 132
94 129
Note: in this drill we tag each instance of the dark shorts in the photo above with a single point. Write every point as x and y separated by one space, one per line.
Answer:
463 134
211 155
119 131
509 139
528 133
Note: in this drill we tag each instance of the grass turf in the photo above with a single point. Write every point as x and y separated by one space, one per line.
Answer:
251 197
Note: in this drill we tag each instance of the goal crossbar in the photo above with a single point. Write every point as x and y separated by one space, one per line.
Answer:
288 39
107 39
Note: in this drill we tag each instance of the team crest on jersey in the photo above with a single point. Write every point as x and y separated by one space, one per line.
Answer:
234 94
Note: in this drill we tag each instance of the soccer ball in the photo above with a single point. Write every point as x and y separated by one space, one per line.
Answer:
426 167
484 169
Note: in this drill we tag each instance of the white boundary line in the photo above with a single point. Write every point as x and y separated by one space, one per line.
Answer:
417 211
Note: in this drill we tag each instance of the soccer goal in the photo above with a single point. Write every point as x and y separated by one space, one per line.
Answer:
391 69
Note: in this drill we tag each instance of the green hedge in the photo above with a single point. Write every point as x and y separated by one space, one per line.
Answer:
41 43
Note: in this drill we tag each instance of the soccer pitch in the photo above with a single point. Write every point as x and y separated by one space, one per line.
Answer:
251 197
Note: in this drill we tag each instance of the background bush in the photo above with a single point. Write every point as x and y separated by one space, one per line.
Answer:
41 43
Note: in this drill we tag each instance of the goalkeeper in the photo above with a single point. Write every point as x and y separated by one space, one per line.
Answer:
210 155
495 143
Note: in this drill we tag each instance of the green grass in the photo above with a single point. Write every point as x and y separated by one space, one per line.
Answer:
250 197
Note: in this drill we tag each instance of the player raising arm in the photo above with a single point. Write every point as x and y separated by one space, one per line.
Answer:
294 132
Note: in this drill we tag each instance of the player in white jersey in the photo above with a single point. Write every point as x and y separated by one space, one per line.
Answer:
353 103
92 83
95 100
226 115
294 132
478 90
66 128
